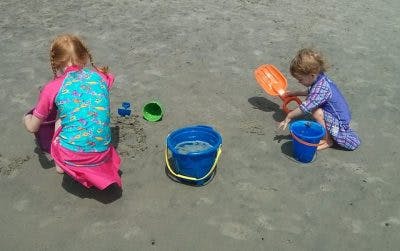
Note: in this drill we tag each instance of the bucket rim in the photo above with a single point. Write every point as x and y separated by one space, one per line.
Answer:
304 122
214 148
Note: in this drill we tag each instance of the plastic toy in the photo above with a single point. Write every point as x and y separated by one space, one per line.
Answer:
124 111
197 165
274 83
306 137
153 111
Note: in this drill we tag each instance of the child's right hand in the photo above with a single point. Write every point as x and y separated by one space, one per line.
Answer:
288 94
294 93
283 125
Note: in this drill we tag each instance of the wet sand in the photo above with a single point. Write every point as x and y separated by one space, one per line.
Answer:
197 58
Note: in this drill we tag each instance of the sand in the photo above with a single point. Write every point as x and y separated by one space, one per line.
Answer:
197 58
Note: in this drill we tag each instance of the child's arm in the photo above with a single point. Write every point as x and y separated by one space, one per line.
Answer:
32 123
295 93
45 104
318 95
296 112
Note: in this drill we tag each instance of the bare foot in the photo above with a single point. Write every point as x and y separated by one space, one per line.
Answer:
59 170
48 156
323 144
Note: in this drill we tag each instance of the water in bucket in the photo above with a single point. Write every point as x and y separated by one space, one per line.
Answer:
306 136
186 147
194 153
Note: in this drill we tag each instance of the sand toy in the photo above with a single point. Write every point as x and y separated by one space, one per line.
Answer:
306 138
125 110
273 82
192 154
153 111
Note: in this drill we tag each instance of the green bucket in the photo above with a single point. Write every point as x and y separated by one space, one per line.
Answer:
153 111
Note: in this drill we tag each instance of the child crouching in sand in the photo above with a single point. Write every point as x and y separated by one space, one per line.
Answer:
324 101
81 142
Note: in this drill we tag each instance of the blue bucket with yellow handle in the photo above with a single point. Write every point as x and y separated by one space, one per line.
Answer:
306 137
192 154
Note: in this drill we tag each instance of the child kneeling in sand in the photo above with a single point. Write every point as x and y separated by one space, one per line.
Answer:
324 101
81 142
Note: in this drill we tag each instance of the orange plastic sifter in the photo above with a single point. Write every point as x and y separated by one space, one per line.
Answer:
274 83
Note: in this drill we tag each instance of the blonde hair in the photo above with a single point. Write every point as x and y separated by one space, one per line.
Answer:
70 48
308 61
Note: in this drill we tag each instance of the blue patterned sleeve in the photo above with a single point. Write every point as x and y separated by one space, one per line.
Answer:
318 94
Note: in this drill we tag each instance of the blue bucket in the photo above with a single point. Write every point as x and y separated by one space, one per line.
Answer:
194 152
306 136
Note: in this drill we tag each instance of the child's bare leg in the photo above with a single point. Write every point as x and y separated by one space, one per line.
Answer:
57 125
59 170
327 142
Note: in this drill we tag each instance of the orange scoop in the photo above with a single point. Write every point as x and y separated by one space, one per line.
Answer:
271 79
274 83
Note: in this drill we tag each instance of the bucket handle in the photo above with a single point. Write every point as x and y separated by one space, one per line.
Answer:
305 142
191 178
287 100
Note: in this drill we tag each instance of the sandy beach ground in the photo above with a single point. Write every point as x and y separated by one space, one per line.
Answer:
197 58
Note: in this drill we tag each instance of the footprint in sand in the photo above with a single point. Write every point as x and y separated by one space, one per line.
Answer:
99 228
21 205
132 232
354 225
236 231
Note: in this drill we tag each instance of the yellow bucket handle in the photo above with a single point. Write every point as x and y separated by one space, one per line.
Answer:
191 178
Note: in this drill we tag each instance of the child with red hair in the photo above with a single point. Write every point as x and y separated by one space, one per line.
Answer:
81 142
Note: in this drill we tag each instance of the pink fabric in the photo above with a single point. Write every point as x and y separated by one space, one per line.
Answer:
45 133
89 169
98 169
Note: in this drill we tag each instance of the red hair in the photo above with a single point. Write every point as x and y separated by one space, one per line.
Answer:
70 49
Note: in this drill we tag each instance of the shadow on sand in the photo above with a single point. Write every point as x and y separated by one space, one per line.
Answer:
287 148
106 196
45 159
115 136
266 105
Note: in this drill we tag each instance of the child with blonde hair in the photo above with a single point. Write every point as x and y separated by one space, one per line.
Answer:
81 142
324 100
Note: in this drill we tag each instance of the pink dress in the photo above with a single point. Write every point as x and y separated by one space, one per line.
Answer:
88 162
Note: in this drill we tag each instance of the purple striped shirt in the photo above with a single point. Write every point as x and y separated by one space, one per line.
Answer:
323 93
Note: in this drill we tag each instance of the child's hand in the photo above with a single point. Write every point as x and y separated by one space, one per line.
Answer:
294 93
284 123
295 113
288 94
26 117
32 123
